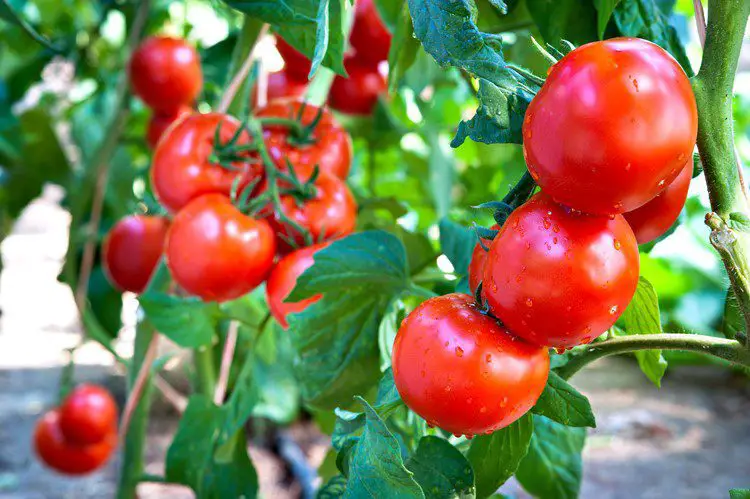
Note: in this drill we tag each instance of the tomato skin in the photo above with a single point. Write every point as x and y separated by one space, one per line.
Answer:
283 279
478 259
357 94
181 169
216 252
296 64
612 126
463 371
166 74
280 86
369 37
159 123
88 415
332 213
656 217
330 146
132 249
67 458
560 278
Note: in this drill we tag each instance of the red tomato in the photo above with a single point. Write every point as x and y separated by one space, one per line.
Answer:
358 93
476 265
158 124
282 280
655 217
166 74
332 213
216 252
132 250
560 278
612 126
182 169
463 371
71 459
370 38
329 145
88 415
296 64
280 86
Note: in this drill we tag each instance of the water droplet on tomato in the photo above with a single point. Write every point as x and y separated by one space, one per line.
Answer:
613 310
482 410
488 358
560 350
554 240
546 223
662 182
627 167
448 388
459 352
518 278
555 228
529 302
617 244
635 84
504 402
447 343
469 436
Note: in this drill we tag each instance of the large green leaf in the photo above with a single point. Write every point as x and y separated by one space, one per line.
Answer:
190 322
604 10
572 20
562 403
739 494
403 50
457 243
441 470
642 317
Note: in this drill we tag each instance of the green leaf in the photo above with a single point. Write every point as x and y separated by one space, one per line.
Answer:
733 321
552 469
604 9
739 221
642 317
273 372
441 470
564 404
333 489
241 402
403 51
573 20
499 5
739 494
457 243
188 321
442 173
8 14
496 457
389 11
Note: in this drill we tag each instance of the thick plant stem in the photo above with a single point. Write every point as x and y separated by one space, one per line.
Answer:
205 370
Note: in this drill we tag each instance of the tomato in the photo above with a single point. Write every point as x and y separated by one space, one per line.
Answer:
280 86
132 249
612 126
182 169
166 74
557 277
296 64
478 259
282 280
370 38
158 124
656 217
61 455
358 93
88 415
216 252
463 371
330 214
328 145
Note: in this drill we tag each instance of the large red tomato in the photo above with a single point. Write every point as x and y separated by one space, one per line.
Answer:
88 415
280 86
282 280
216 252
328 144
370 38
611 127
358 93
296 64
182 169
330 214
478 259
65 457
557 277
166 73
158 124
463 371
132 250
655 217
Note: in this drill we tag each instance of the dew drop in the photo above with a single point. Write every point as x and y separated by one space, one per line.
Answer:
617 244
560 350
555 228
613 310
488 358
469 436
554 240
662 182
504 402
518 278
627 167
448 388
635 84
469 400
447 343
459 352
529 302
611 216
546 223
482 410
528 245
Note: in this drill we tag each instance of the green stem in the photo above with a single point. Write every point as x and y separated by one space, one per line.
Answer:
205 369
246 40
296 127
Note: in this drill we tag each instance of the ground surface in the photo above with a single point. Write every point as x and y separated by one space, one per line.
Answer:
691 439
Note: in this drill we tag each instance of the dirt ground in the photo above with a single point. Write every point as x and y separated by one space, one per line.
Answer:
690 439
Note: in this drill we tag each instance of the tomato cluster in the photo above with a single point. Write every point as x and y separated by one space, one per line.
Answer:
79 436
609 139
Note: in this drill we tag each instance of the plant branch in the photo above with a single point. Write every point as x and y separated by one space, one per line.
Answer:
250 36
137 388
700 21
226 362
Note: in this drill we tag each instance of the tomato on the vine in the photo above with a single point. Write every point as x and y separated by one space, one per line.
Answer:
159 123
87 415
326 145
358 93
611 127
369 38
184 166
72 459
132 250
463 371
166 74
216 252
478 259
656 217
284 277
296 64
558 277
280 86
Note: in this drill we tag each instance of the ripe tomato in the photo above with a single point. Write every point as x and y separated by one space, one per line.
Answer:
612 126
358 93
328 146
296 64
332 213
463 371
182 169
370 38
158 124
88 415
132 249
282 280
655 217
216 252
65 457
478 259
280 86
560 278
166 74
